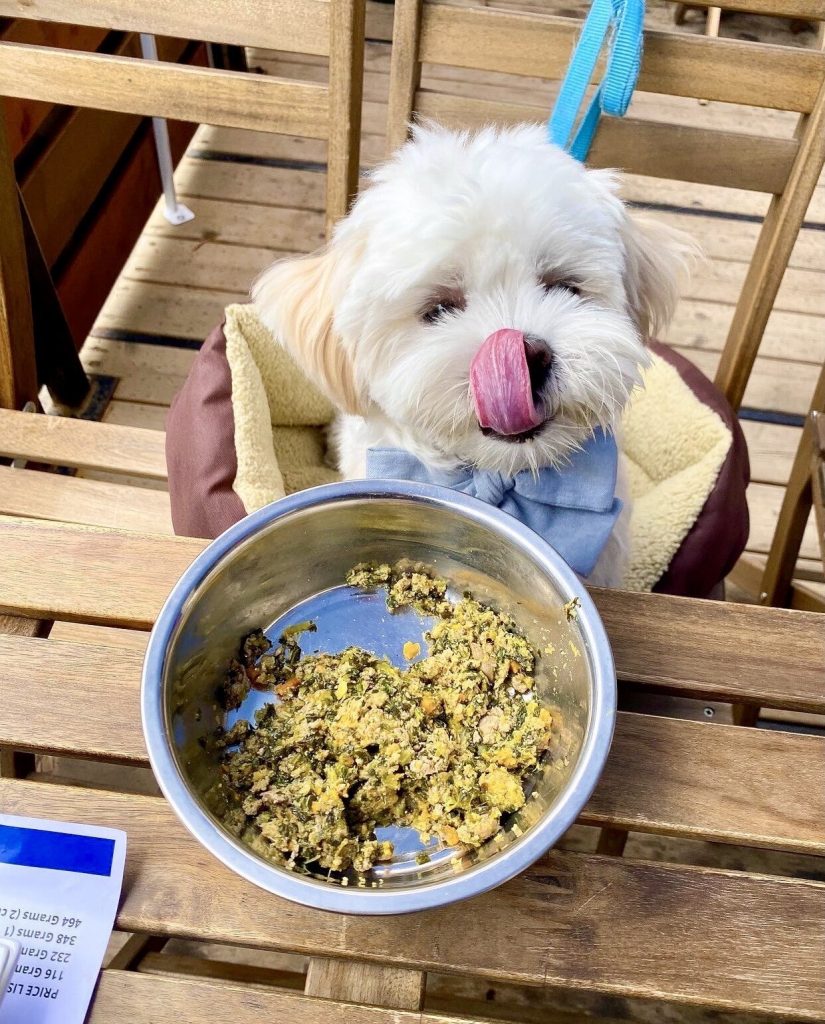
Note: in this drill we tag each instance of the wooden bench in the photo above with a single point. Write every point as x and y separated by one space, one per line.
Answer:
608 924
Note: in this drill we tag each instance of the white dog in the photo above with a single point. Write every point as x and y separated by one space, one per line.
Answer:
484 309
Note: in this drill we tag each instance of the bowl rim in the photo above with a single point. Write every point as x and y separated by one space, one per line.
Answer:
317 894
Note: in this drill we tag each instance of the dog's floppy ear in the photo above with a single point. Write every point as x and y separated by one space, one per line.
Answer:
657 260
295 299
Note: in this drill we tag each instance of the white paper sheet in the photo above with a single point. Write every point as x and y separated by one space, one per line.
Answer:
59 890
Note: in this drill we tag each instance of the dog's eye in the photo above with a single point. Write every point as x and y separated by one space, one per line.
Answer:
551 281
443 306
436 312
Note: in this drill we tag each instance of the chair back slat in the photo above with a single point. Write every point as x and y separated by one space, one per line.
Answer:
731 71
656 149
180 91
299 26
346 76
805 10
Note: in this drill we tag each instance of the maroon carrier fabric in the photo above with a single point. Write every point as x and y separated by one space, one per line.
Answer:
200 446
200 455
718 537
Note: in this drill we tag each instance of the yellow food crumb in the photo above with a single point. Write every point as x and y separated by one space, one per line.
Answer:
506 758
430 705
504 790
411 650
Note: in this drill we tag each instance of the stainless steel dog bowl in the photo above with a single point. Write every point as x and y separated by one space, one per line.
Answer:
286 563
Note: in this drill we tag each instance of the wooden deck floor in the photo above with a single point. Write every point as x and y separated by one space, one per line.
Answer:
257 195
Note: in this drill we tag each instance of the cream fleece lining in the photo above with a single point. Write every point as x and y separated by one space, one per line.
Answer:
277 415
674 444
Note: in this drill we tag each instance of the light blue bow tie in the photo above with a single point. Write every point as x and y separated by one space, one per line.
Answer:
573 508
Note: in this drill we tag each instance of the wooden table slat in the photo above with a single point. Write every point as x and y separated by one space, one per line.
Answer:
88 574
157 999
664 775
715 650
72 499
718 938
768 656
82 444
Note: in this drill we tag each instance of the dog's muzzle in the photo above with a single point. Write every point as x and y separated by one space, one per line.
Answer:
506 379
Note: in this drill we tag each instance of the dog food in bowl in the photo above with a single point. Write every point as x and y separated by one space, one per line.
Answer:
354 744
284 568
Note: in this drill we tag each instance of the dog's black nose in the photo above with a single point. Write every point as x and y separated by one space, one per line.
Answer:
539 364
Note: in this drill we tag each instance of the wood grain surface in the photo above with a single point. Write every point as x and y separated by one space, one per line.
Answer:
18 373
717 938
81 444
664 775
41 495
717 650
87 574
813 10
301 25
769 656
155 999
777 239
373 984
179 91
677 152
732 71
405 72
345 84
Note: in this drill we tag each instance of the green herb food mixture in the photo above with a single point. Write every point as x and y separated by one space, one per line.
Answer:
354 743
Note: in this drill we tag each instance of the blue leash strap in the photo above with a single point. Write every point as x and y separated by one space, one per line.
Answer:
621 23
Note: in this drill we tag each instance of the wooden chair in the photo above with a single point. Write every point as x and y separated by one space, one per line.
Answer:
774 585
730 71
332 111
818 477
714 15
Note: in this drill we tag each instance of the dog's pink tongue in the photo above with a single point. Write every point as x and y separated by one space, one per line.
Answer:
500 382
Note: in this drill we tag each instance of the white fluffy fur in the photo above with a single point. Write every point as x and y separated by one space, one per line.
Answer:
488 214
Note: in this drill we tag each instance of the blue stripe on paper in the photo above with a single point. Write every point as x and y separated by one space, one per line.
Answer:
62 851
